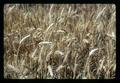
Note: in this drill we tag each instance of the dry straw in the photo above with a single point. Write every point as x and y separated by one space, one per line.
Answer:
59 68
112 35
33 54
93 51
59 52
74 70
60 31
50 70
10 9
62 11
100 13
85 41
66 57
23 39
49 55
52 46
49 27
45 43
11 67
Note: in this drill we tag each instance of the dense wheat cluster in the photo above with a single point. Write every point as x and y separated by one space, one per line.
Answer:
59 41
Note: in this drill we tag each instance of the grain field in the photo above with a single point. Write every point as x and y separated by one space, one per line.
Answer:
59 41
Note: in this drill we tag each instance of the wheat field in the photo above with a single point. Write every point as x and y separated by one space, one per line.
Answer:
59 41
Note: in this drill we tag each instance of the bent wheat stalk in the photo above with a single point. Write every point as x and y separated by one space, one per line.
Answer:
22 40
92 51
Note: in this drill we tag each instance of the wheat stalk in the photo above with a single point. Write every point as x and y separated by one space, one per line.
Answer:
49 27
59 52
33 54
59 68
100 13
44 43
23 39
50 70
74 70
93 51
11 67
